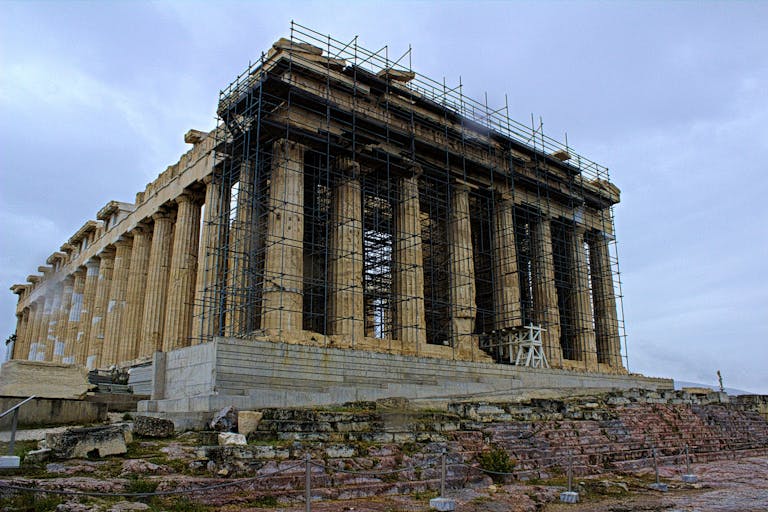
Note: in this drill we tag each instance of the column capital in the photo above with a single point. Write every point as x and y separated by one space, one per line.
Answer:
107 253
185 197
503 196
162 215
123 240
348 167
289 145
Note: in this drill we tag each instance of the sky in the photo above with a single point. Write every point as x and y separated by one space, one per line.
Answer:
672 97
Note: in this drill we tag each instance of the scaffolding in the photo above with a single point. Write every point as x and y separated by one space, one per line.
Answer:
316 121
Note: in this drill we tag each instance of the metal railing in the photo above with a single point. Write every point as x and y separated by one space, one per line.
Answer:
14 421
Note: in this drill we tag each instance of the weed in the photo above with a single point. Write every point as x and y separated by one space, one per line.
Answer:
263 502
33 502
496 460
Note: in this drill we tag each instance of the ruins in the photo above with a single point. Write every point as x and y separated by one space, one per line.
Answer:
344 202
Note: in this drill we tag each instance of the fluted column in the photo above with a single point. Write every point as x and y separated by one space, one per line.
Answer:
546 310
113 337
157 285
52 313
181 286
73 342
462 275
101 300
84 329
506 279
410 325
346 308
242 237
583 328
20 349
210 271
283 292
604 301
60 333
38 310
134 305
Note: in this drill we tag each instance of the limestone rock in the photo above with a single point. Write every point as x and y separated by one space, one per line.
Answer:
37 456
89 442
43 379
248 421
125 506
225 420
148 426
143 467
230 438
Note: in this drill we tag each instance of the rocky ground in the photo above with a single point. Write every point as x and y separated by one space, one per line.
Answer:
157 465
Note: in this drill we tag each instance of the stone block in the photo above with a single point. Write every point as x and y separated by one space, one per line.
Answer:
225 420
89 442
148 426
442 504
9 461
43 379
248 421
231 439
38 456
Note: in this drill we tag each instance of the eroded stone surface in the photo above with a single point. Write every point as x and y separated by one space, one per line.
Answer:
88 442
148 426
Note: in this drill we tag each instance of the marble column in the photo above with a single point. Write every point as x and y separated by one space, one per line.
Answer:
52 319
462 275
20 347
583 324
155 296
410 325
546 310
101 301
60 334
183 271
242 237
604 301
283 292
113 336
505 276
346 309
73 341
38 309
84 329
211 261
134 305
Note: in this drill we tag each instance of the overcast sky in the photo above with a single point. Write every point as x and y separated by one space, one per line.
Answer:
673 97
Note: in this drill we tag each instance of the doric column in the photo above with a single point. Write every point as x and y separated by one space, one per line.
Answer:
38 311
462 276
181 285
113 337
52 318
604 301
20 347
546 310
506 280
410 326
60 334
157 285
583 326
283 293
85 327
210 268
134 306
242 238
73 341
101 300
346 308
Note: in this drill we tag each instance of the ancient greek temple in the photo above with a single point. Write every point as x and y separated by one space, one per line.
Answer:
345 202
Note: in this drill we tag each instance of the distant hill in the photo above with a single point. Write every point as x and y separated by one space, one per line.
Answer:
679 384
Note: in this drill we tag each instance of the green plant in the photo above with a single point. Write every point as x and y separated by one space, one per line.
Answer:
263 502
33 502
141 486
182 504
496 461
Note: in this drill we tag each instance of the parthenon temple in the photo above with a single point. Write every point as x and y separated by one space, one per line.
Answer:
345 202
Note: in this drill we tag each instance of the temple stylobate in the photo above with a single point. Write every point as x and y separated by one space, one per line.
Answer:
345 202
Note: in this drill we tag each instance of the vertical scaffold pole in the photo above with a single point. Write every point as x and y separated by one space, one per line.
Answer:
308 483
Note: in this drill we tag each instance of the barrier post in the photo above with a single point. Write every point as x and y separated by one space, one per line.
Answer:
441 502
308 483
569 496
688 477
658 486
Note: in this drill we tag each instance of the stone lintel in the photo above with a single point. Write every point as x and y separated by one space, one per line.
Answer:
81 233
113 207
287 44
32 278
18 289
45 270
195 136
67 248
51 260
398 75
